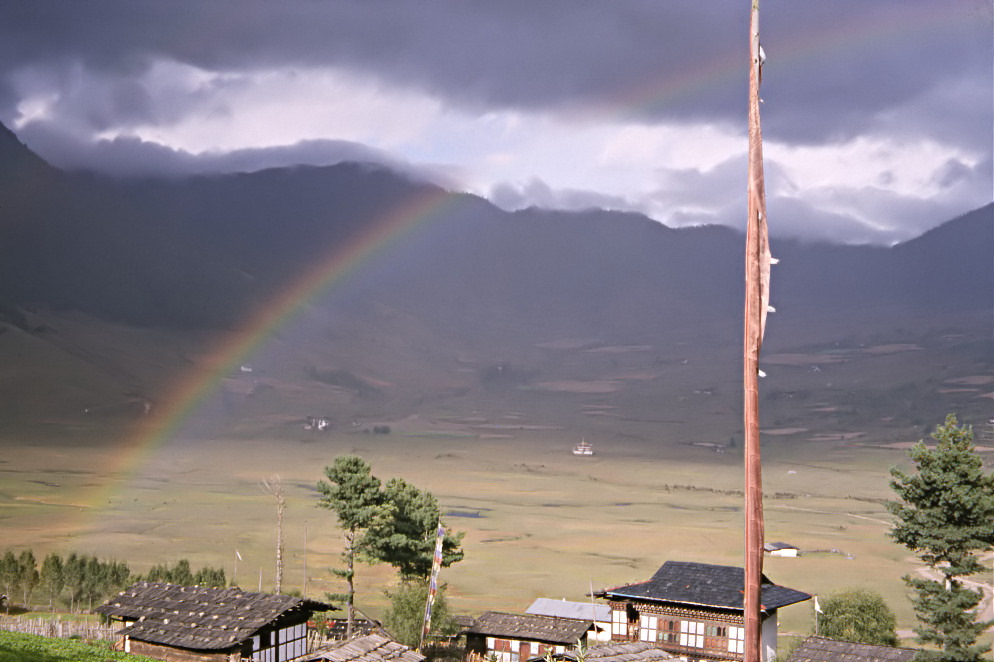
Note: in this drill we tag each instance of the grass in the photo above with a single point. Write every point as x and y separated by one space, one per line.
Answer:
16 647
551 524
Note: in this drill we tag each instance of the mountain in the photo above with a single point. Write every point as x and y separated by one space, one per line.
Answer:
125 284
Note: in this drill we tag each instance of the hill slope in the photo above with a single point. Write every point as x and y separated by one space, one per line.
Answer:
436 301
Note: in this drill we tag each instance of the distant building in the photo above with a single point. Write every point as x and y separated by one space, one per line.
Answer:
198 624
780 549
694 611
518 637
600 614
820 649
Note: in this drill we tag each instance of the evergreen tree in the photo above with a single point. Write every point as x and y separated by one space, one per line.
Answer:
353 494
945 514
858 615
404 536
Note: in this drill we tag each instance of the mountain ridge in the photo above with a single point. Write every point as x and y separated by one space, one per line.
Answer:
433 314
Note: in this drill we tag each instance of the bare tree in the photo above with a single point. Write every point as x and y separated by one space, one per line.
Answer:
274 485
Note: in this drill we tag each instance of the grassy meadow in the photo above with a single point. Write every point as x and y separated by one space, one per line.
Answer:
538 520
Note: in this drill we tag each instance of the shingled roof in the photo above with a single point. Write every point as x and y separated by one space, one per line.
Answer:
620 651
371 648
196 617
707 585
820 649
532 627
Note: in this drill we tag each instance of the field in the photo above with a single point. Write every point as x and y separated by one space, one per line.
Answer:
538 520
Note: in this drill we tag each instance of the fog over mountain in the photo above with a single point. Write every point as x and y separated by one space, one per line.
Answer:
445 294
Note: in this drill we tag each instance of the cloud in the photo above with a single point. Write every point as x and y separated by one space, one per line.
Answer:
637 105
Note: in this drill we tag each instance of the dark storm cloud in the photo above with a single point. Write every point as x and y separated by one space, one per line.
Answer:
901 75
833 67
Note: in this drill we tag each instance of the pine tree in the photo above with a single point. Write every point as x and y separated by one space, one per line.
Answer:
405 535
946 515
353 494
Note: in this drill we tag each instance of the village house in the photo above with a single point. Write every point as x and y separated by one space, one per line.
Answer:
694 610
199 624
517 637
600 614
820 649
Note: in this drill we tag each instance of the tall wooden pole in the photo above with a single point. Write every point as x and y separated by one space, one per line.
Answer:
757 277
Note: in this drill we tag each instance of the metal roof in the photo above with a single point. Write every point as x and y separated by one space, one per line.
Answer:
569 609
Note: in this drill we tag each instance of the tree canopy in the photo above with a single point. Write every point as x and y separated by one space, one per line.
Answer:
945 514
404 536
404 619
858 615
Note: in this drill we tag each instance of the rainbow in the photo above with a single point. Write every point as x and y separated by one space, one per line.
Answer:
397 222
384 231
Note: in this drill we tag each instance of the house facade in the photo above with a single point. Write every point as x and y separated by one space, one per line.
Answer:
199 624
518 637
694 611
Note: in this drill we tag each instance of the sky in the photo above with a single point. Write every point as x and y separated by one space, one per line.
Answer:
877 116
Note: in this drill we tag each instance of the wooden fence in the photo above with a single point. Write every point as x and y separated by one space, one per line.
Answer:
58 628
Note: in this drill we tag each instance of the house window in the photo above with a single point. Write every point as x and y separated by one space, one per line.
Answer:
292 641
648 626
669 631
619 623
692 634
736 639
716 636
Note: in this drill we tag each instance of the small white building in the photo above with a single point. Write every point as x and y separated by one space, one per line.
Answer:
780 549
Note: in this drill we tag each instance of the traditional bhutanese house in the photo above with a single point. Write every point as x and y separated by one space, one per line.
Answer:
370 648
199 624
598 613
619 651
820 649
694 610
517 637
